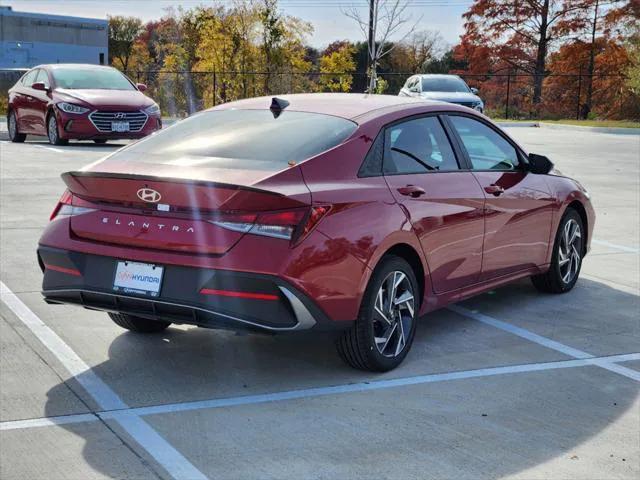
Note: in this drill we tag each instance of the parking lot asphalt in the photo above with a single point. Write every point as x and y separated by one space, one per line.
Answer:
510 384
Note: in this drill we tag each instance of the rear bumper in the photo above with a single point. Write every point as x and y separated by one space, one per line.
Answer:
185 296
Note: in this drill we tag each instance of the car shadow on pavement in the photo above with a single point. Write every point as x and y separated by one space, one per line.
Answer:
79 145
533 418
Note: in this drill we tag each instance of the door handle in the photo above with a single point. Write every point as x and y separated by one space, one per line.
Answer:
494 189
411 191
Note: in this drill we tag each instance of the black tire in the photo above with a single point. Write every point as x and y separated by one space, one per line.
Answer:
53 132
552 281
138 324
357 346
101 141
12 127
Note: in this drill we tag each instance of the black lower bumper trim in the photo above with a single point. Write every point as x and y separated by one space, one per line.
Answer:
181 299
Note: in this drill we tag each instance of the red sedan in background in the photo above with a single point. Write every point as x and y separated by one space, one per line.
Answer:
85 102
321 211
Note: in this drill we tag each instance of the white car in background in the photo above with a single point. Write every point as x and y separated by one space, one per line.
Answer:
445 88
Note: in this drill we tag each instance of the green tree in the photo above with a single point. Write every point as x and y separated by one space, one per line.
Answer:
336 68
123 32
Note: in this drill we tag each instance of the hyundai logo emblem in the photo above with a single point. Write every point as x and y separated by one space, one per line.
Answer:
149 195
120 115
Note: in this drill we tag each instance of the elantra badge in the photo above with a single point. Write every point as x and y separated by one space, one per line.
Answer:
149 195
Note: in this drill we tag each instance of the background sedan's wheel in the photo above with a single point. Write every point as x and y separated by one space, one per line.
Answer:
12 127
566 261
386 324
53 133
138 324
100 141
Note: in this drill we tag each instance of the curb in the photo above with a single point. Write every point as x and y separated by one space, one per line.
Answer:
575 128
579 128
518 124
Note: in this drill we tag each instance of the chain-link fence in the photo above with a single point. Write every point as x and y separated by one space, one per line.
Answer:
506 95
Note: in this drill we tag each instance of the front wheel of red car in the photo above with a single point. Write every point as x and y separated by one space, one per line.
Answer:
53 133
12 127
566 261
386 324
138 324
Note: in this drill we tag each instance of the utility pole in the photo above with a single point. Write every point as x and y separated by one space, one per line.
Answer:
371 44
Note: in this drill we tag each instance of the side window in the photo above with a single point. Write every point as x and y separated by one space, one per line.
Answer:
418 146
487 149
42 77
30 78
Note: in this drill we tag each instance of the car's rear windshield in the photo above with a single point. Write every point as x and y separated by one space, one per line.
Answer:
77 78
446 84
242 139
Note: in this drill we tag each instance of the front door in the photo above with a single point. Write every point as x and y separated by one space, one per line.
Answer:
519 204
444 204
41 103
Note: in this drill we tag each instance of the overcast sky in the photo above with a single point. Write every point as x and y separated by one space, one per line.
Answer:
329 23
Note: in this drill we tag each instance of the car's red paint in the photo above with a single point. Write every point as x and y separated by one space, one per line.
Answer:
464 239
32 103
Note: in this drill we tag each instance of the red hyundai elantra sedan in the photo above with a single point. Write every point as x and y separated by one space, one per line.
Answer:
321 211
85 102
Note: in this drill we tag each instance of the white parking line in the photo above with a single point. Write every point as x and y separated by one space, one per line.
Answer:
312 392
546 342
622 248
167 456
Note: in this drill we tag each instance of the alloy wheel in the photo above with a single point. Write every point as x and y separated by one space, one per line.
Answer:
12 125
393 314
569 251
53 130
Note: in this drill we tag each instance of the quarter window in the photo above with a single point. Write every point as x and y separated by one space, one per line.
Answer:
487 149
418 146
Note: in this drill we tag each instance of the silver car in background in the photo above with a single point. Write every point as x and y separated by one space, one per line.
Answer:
446 88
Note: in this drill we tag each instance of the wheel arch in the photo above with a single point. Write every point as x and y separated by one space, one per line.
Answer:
579 208
412 257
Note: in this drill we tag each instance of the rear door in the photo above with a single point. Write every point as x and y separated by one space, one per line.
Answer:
444 203
518 203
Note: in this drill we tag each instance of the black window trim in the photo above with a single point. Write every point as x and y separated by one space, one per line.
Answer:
416 117
459 151
522 156
460 159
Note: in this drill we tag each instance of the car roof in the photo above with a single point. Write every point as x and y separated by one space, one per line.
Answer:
441 75
54 66
345 105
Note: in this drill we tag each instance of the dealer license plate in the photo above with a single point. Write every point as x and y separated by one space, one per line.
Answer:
138 278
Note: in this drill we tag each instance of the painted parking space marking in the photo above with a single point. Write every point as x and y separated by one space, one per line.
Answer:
163 453
615 246
314 392
546 342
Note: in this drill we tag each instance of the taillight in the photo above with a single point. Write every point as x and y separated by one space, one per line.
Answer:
65 207
287 225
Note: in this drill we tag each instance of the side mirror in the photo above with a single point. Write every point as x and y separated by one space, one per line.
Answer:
539 164
141 86
474 90
39 86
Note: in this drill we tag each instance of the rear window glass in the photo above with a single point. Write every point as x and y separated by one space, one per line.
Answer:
242 139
